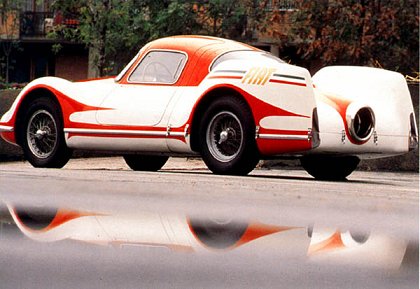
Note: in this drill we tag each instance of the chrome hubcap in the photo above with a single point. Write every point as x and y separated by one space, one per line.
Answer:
41 134
224 136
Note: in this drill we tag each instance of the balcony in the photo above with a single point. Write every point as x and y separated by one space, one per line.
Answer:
35 24
39 24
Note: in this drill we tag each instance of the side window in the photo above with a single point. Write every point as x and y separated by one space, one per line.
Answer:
159 67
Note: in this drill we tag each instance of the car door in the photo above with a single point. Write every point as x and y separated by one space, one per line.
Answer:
145 97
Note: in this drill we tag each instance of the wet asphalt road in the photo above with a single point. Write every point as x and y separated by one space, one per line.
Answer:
387 201
383 203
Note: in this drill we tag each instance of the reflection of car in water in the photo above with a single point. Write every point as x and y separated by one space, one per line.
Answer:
180 233
225 101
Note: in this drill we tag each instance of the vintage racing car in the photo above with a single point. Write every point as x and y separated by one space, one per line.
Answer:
230 103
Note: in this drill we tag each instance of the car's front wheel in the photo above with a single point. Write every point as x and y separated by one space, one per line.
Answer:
227 137
332 168
145 162
42 135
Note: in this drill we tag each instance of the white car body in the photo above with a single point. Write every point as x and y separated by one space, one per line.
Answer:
385 92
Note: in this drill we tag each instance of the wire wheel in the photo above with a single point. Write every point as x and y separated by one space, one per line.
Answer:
227 137
224 136
41 134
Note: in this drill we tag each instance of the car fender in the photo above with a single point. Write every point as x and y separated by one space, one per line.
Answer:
279 107
341 90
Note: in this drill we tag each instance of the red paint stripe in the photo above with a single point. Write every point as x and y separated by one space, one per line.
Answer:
9 136
287 82
224 77
272 147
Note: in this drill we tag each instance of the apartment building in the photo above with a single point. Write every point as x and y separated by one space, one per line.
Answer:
27 47
26 42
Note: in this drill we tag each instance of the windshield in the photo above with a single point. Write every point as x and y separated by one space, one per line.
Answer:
119 76
244 54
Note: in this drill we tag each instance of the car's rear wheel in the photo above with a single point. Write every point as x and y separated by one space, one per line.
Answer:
332 168
227 137
145 162
42 135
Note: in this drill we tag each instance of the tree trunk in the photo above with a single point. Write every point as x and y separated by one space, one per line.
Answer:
93 71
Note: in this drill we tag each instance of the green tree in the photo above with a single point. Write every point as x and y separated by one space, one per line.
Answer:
230 19
109 28
114 29
172 18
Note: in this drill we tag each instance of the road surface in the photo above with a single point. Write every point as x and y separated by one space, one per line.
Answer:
384 206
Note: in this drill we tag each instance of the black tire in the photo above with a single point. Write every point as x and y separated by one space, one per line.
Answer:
42 135
36 218
145 162
330 168
217 235
227 137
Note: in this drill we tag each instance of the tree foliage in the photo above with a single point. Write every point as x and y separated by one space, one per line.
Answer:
113 29
107 27
223 18
360 32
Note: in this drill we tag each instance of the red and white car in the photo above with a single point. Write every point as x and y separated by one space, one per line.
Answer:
225 101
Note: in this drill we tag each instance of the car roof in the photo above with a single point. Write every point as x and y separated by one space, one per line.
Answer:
198 48
192 43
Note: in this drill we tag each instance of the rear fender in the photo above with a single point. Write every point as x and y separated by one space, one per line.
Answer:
381 96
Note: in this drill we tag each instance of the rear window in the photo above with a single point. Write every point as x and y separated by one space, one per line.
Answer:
245 55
